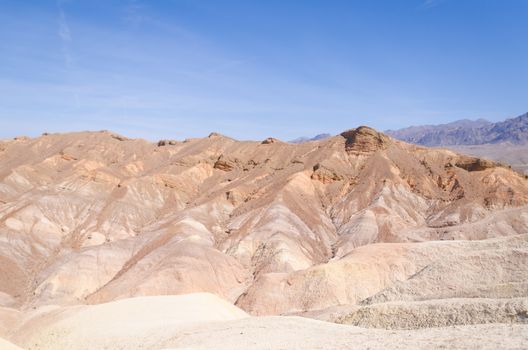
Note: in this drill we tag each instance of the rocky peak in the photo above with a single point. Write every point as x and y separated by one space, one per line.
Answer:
162 143
365 139
270 140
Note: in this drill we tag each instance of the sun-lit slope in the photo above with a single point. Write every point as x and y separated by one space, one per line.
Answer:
203 321
301 333
93 217
124 324
5 345
438 313
495 268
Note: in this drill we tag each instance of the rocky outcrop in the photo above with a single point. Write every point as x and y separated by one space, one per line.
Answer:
475 164
325 175
269 140
225 164
119 137
162 143
365 140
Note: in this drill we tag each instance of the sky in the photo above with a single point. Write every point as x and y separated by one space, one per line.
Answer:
252 69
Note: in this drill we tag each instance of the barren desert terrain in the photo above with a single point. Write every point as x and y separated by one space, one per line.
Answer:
352 241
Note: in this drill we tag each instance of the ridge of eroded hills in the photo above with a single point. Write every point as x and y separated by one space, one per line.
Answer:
92 217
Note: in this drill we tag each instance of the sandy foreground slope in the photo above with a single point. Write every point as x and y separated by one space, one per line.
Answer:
448 303
124 324
204 321
301 333
5 345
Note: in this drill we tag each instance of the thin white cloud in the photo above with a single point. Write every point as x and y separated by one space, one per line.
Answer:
65 35
64 28
134 12
431 3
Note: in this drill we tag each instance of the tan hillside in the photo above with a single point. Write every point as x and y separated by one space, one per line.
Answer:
93 217
273 227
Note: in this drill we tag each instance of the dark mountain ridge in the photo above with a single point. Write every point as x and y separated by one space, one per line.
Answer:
466 132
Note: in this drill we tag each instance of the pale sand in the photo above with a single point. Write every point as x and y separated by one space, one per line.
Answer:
125 324
5 345
278 332
204 321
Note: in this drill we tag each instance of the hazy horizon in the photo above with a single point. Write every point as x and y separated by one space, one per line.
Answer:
249 70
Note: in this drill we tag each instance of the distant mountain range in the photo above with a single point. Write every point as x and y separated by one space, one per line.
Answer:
458 133
466 132
308 139
505 141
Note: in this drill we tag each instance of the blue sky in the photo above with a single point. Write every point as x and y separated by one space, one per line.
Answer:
251 69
